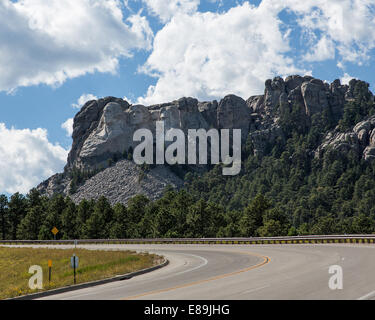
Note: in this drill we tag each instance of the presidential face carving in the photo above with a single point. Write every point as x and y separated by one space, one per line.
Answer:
139 115
170 116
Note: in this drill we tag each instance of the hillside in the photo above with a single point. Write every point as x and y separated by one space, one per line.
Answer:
103 132
307 168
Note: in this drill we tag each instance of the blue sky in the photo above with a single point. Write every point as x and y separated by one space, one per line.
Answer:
153 51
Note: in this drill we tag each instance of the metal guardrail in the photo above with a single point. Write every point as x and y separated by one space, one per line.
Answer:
253 240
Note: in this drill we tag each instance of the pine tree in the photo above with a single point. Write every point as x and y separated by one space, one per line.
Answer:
84 211
56 206
95 225
30 225
17 210
147 226
69 220
4 217
119 227
100 222
252 217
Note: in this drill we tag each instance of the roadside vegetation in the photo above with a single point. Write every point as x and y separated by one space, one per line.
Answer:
93 265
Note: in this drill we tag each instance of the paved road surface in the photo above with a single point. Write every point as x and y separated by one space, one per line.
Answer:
244 272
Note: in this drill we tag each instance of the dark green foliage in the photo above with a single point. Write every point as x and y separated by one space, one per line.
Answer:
275 223
119 228
99 224
69 220
35 210
294 120
4 217
54 210
358 109
30 224
176 214
84 211
17 210
252 218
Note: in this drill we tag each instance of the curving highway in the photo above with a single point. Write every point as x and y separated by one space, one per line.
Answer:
243 272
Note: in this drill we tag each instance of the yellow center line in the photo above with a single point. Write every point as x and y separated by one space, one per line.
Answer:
265 261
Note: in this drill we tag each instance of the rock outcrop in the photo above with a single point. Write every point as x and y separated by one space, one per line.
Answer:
105 127
85 124
361 140
103 130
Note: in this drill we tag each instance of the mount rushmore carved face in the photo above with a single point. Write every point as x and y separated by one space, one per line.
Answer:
112 121
139 115
170 116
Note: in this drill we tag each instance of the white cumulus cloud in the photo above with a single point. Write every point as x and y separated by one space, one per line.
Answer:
68 126
208 55
323 50
83 99
346 78
348 25
165 10
26 158
48 42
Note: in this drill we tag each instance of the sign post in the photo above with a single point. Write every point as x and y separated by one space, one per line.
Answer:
54 231
49 270
74 264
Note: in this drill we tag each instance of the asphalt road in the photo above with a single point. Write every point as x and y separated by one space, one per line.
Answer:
243 272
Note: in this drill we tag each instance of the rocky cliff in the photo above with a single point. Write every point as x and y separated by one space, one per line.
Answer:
103 134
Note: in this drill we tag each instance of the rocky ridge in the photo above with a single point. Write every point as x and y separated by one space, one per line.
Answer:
103 130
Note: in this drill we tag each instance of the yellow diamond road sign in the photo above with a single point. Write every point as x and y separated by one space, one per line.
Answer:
55 230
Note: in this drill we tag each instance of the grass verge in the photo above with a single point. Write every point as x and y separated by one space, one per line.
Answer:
93 265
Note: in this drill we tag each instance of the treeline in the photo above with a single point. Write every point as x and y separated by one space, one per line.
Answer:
176 214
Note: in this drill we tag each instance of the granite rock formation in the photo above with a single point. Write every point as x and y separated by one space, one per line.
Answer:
103 129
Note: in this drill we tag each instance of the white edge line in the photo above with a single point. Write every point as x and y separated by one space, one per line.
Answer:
367 296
